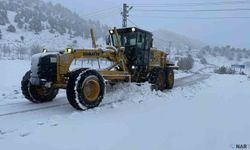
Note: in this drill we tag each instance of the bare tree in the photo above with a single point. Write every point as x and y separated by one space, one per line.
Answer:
22 52
1 35
186 63
6 50
1 51
239 56
34 49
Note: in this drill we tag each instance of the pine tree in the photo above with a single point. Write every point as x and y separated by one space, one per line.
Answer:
22 38
3 16
1 35
25 28
35 25
11 28
52 31
20 24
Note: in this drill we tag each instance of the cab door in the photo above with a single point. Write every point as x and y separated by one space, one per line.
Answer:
141 51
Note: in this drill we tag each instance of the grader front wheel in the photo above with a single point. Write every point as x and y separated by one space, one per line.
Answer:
85 89
37 94
91 88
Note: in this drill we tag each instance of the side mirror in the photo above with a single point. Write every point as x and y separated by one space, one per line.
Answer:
108 42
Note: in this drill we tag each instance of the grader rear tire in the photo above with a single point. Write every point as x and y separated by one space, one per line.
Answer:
169 79
85 89
37 94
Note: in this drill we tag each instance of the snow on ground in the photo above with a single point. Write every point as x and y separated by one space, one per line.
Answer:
222 61
211 114
10 79
181 74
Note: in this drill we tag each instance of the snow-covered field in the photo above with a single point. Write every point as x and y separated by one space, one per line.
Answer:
204 111
222 61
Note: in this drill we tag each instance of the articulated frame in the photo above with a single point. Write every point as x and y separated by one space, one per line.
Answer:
65 61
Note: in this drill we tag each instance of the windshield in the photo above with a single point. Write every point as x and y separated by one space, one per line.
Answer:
127 39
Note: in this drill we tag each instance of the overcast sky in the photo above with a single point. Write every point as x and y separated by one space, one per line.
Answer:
198 25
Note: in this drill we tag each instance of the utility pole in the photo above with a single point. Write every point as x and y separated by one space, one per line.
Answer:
125 14
169 48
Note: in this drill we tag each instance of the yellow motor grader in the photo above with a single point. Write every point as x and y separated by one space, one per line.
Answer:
133 60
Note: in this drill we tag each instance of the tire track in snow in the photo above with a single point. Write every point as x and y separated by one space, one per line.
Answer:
31 110
53 106
191 80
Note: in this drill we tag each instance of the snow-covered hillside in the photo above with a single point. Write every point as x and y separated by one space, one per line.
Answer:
27 23
225 56
196 113
44 39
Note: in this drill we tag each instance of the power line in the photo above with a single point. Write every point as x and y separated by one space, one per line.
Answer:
193 4
105 14
132 23
195 18
193 10
98 12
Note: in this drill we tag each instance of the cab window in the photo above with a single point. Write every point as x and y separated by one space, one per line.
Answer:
127 39
141 40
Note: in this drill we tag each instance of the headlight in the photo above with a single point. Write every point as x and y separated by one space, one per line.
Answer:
111 31
133 29
44 50
69 50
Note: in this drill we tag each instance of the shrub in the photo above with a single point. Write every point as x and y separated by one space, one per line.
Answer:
242 73
11 28
203 61
200 55
224 70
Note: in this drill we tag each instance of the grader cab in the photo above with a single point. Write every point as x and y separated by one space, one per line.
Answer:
134 60
137 44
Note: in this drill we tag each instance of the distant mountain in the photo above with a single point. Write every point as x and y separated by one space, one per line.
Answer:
164 38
